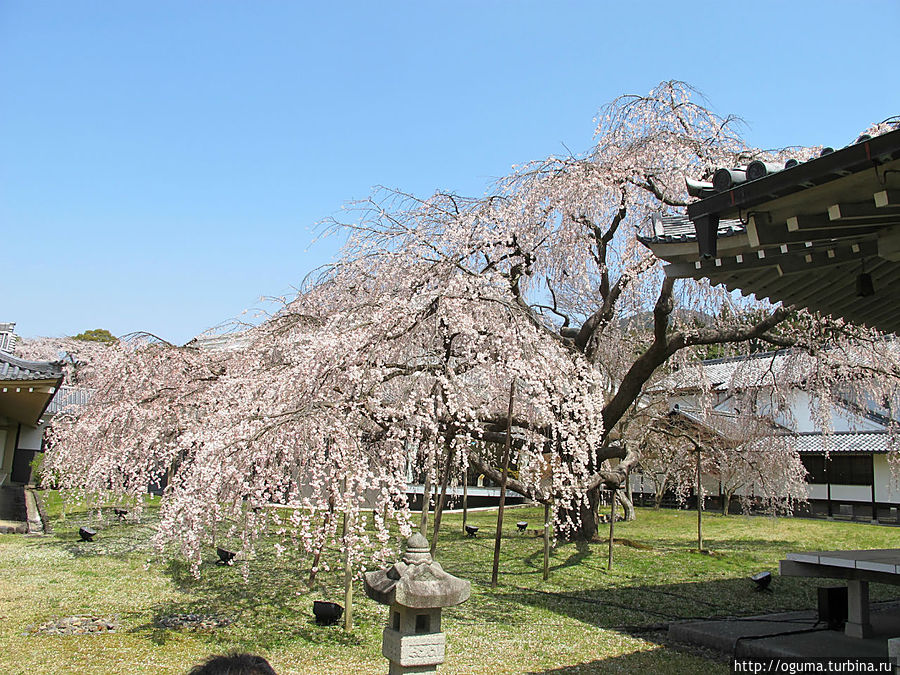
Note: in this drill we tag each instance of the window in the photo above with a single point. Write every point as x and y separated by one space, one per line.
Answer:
850 470
815 468
839 469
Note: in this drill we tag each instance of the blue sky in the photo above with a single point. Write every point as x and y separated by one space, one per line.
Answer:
164 164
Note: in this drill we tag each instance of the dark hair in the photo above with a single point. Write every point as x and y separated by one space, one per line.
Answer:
233 664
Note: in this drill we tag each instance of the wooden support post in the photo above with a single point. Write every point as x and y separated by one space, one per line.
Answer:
699 506
348 577
612 529
496 569
546 541
426 493
439 508
326 521
465 496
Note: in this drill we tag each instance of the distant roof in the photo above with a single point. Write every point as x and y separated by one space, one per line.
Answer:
727 425
824 234
739 372
12 368
223 342
878 442
732 426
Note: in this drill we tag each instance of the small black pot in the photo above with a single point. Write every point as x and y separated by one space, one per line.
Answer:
327 613
471 530
86 534
225 556
762 580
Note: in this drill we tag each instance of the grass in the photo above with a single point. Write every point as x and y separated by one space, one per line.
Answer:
585 619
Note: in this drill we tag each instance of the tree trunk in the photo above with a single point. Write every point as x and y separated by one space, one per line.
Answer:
586 514
627 504
628 501
726 502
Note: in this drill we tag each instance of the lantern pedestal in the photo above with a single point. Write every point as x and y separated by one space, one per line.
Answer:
416 588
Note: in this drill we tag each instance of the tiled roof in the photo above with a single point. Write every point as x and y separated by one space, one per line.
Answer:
725 424
739 372
679 229
68 396
819 235
845 441
729 425
14 368
223 342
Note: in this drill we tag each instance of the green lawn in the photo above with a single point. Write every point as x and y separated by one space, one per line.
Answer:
584 620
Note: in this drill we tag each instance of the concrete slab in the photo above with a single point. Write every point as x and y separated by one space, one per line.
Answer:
790 634
35 524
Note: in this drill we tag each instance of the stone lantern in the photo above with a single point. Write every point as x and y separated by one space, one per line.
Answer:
416 588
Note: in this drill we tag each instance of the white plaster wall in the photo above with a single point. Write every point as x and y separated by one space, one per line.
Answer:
841 418
801 418
886 489
851 493
30 437
816 491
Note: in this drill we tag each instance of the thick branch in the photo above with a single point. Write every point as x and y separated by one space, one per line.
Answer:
511 483
644 366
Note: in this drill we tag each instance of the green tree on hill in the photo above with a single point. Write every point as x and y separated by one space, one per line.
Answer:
96 335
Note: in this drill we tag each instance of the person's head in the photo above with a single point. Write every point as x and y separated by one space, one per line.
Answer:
233 664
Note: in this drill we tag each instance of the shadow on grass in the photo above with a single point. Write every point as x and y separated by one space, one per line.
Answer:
640 662
115 537
471 559
637 609
270 608
726 544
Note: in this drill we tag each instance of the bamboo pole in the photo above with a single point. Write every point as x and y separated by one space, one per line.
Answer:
496 569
